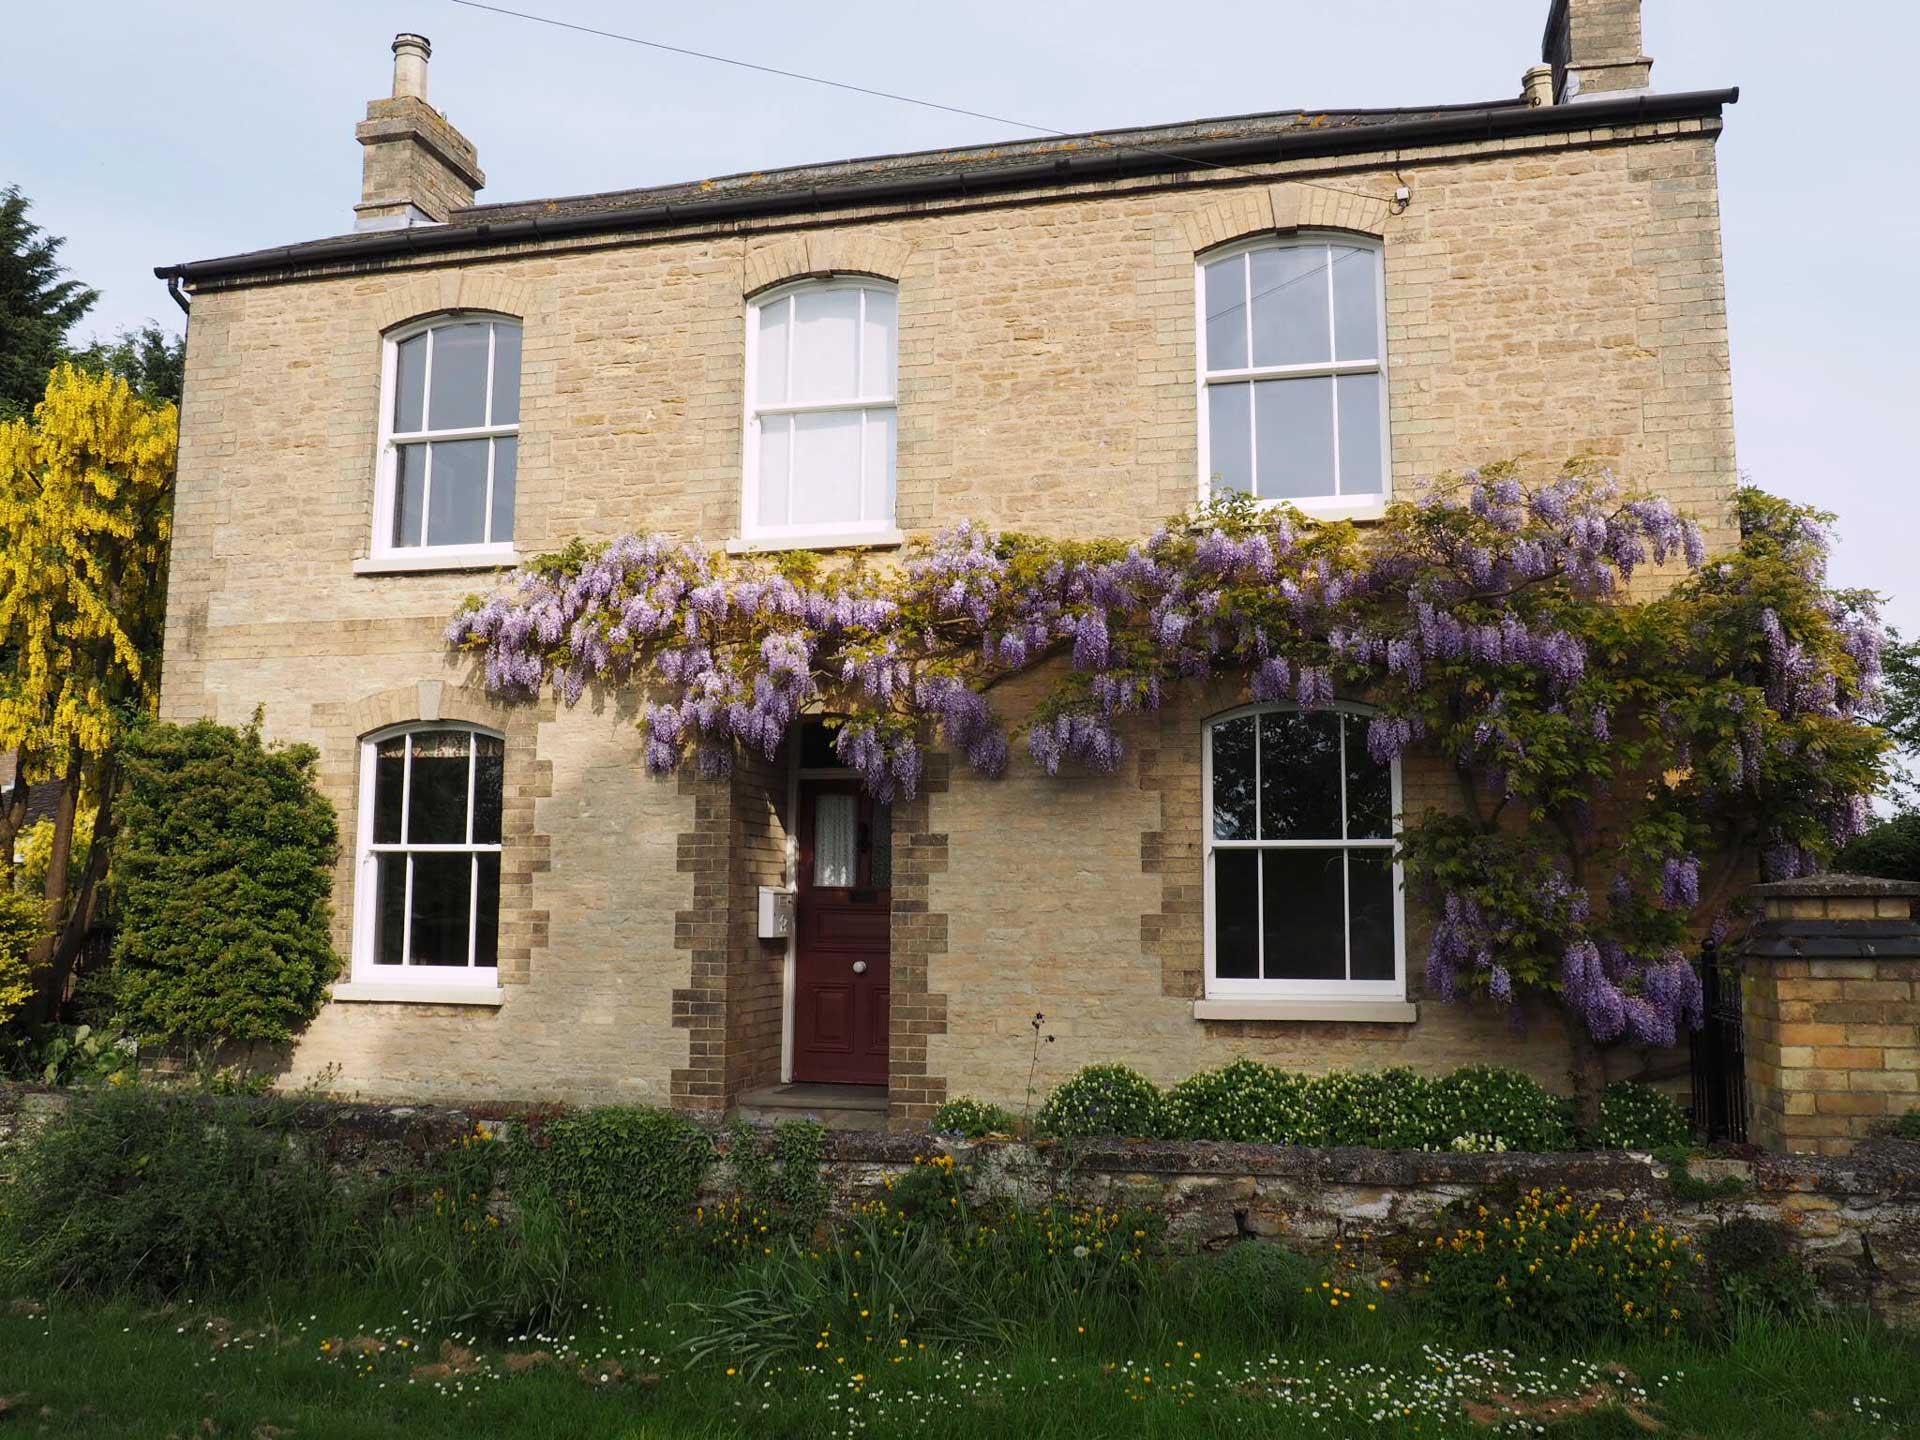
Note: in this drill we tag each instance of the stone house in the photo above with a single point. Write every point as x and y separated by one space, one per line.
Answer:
1076 336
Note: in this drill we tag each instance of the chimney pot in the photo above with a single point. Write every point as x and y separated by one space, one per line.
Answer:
1536 86
410 56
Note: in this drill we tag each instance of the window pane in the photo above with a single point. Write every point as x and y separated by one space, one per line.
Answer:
389 908
1360 435
489 766
826 333
826 468
1290 306
409 382
409 494
770 364
1305 915
1356 304
1294 420
877 461
486 913
506 375
1230 437
389 783
1226 301
506 465
1233 797
1299 776
833 839
1369 788
878 354
437 798
1370 882
442 908
1236 914
459 395
457 499
776 445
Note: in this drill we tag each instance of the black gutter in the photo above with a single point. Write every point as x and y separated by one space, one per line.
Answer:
173 289
1469 125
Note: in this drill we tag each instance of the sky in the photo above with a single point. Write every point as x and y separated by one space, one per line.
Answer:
149 134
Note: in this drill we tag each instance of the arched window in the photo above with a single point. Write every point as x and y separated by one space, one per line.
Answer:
1303 896
821 357
449 440
428 895
1292 374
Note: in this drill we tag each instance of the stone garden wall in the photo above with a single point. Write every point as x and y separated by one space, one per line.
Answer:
1855 1218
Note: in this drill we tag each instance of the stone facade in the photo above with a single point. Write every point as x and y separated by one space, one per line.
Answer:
1548 294
1832 1006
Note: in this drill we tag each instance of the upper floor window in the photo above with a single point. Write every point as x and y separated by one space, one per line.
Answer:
428 897
821 357
450 438
1292 375
1303 895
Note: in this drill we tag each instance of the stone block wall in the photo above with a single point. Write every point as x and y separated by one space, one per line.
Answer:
1832 1008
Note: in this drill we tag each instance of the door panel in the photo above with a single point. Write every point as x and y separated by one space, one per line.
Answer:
841 932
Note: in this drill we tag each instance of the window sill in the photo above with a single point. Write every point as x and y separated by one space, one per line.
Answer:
1335 509
1357 1012
386 992
844 540
504 558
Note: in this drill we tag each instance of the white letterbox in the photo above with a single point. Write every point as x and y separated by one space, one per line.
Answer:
776 912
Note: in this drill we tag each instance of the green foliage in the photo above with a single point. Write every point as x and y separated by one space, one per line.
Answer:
35 845
223 869
1907 1127
1890 849
76 1055
974 1118
139 1191
622 1177
150 360
22 923
37 306
1638 1117
781 1181
1103 1100
1757 1274
1555 1270
1489 1100
1245 1101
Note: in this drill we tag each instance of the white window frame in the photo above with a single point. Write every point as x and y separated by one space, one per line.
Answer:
1216 987
1357 506
383 552
366 888
867 527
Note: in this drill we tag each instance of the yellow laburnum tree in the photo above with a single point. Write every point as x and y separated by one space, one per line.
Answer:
86 506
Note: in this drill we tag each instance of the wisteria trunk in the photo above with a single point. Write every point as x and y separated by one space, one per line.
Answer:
1588 1070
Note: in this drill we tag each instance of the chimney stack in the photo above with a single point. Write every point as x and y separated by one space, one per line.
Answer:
1594 49
416 168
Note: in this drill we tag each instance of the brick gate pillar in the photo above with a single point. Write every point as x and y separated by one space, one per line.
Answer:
1832 1010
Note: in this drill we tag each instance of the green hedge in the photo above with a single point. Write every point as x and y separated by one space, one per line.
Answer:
1477 1107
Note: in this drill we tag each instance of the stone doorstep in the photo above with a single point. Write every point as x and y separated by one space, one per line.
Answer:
838 1107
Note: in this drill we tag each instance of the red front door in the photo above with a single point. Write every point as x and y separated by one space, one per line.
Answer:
840 981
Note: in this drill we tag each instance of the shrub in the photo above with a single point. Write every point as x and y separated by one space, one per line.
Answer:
223 868
1907 1127
135 1190
1391 1109
1638 1117
22 922
1556 1271
1485 1100
1756 1273
1104 1100
1244 1101
783 1181
621 1178
974 1118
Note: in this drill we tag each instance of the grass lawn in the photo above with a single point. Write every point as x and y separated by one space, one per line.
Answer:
352 1365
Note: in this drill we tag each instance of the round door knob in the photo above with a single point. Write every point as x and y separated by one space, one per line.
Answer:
859 967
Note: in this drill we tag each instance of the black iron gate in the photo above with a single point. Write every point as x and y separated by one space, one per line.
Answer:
1718 1051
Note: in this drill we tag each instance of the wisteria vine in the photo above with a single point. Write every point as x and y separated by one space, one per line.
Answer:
1605 736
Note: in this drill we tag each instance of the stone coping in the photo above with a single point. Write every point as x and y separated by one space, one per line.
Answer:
1825 885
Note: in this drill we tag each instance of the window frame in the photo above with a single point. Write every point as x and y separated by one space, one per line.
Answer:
387 455
1363 505
880 527
1260 987
363 967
